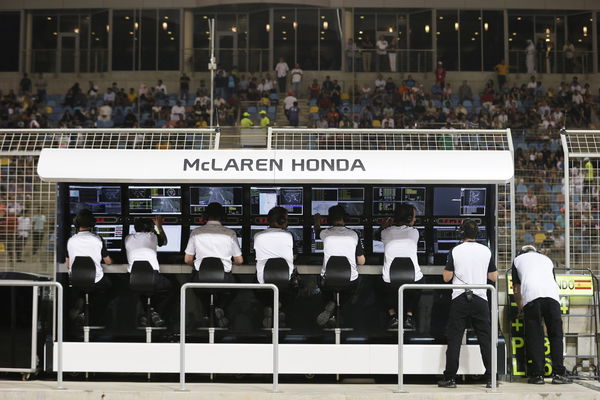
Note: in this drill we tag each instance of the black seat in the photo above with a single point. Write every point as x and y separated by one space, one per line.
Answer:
338 272
402 271
277 272
143 280
83 276
211 271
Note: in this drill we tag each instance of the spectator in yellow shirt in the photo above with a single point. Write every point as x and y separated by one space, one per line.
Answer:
264 120
502 73
246 121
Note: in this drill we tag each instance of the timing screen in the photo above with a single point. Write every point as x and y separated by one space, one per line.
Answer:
262 199
231 198
387 198
456 201
100 200
154 200
352 199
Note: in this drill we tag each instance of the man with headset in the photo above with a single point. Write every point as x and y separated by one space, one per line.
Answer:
214 240
275 242
338 241
536 293
469 263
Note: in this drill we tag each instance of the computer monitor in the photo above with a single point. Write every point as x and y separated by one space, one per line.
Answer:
378 247
100 200
317 244
262 199
351 198
446 237
459 201
231 198
386 198
236 228
157 200
297 232
173 233
111 234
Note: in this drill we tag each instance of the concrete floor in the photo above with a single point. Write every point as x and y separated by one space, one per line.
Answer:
46 390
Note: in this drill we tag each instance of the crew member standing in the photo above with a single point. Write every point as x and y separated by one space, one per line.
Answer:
214 240
274 242
338 241
469 263
536 293
400 240
246 121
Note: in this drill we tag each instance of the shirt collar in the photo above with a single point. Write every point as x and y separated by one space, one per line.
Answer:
213 223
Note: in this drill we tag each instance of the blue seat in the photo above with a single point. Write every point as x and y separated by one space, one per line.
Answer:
557 188
532 216
521 188
314 116
548 226
527 238
312 102
468 104
555 208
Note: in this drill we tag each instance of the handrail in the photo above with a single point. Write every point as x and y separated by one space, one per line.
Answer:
230 286
59 318
494 317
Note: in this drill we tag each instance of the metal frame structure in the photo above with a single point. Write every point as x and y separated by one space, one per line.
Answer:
445 287
275 329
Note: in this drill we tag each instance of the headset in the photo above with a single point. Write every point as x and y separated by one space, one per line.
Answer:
527 248
463 227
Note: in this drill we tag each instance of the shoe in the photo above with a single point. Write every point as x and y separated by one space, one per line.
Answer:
326 314
409 322
157 321
79 320
447 383
143 321
77 309
536 380
393 322
330 324
222 322
267 321
561 380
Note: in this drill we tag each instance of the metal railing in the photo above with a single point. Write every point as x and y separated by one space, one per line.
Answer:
275 329
396 60
553 62
494 327
246 60
59 319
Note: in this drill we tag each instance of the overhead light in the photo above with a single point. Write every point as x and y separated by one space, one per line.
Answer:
362 17
325 25
476 33
360 32
472 38
107 28
456 26
441 18
519 18
56 34
390 29
49 18
169 33
547 31
127 17
268 27
165 26
322 17
295 25
585 30
76 30
426 28
166 17
172 37
136 25
205 16
547 39
283 17
234 29
486 26
514 33
283 32
437 33
284 38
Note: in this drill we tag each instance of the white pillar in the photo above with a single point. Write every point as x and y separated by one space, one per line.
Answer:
188 41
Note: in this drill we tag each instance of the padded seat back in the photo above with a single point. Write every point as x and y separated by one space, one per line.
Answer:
211 271
142 277
402 271
83 273
338 273
277 272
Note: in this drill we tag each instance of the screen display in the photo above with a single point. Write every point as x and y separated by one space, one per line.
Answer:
262 199
386 198
229 197
100 200
457 201
111 234
296 231
317 244
237 229
154 200
352 199
446 237
378 247
173 233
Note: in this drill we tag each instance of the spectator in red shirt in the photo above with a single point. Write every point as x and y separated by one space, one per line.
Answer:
440 75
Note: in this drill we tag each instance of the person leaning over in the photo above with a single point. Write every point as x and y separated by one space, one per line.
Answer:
214 240
400 239
338 241
469 263
275 242
536 293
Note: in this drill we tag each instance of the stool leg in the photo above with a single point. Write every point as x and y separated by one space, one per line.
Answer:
148 312
86 310
211 315
338 312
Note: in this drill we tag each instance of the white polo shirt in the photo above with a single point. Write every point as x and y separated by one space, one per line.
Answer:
213 240
142 246
87 244
341 241
535 273
400 241
470 262
273 243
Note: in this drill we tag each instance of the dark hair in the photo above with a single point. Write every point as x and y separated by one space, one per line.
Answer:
469 229
404 213
277 216
215 212
143 225
336 213
84 219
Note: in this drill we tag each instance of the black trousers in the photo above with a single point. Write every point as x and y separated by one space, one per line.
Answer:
461 311
411 297
222 297
544 310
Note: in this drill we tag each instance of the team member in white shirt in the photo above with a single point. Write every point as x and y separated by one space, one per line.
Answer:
214 240
469 263
281 70
275 242
338 241
400 239
536 293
